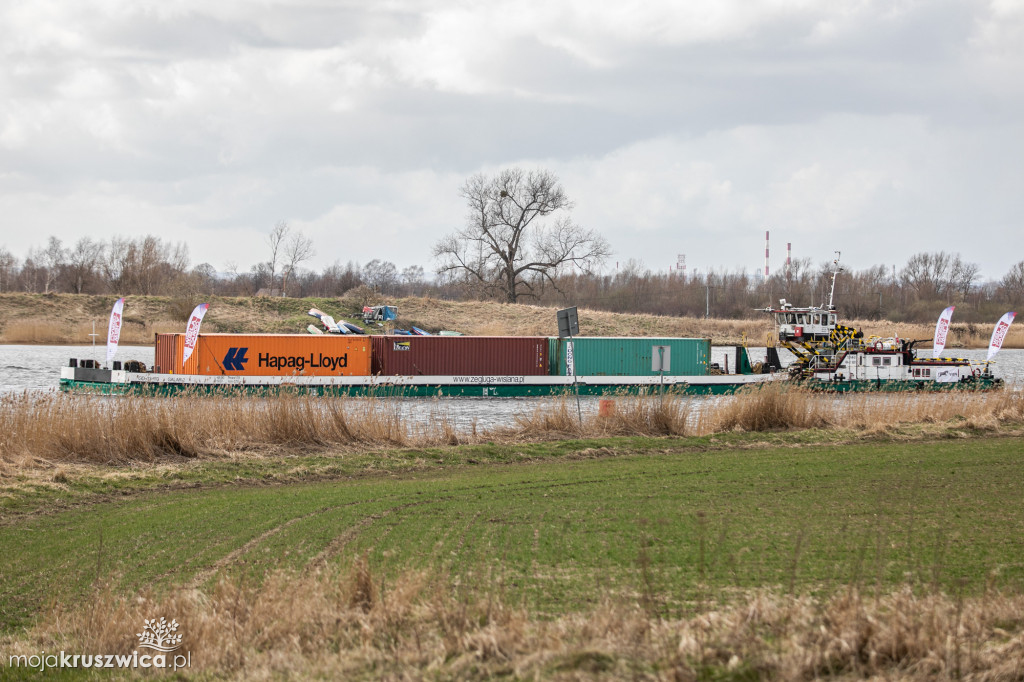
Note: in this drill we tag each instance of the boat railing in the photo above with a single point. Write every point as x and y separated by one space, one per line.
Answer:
846 345
821 362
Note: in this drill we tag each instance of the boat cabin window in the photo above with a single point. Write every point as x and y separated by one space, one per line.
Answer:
791 318
817 318
832 320
876 361
886 361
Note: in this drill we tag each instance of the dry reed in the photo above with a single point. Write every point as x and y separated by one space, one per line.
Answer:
64 428
630 416
33 331
778 407
336 623
39 428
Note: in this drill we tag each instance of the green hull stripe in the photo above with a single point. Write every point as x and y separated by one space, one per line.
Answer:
510 391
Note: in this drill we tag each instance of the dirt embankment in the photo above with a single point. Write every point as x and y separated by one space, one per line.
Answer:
72 318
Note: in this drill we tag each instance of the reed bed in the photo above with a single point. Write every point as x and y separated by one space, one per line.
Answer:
771 407
779 408
62 428
961 334
334 623
119 430
33 331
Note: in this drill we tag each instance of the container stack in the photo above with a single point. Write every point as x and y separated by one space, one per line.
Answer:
473 356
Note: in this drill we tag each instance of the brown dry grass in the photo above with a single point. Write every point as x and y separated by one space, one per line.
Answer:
774 407
331 623
39 428
39 331
68 318
961 334
104 431
489 318
771 407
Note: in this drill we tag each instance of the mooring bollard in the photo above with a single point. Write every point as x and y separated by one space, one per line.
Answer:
605 407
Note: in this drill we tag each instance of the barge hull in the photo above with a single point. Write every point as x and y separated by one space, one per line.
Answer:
131 383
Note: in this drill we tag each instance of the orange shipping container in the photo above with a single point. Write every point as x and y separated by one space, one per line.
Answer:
265 355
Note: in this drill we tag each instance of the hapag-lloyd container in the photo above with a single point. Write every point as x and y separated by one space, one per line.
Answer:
460 355
618 356
266 355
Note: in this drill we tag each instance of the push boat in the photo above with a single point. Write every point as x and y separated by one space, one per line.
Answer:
833 357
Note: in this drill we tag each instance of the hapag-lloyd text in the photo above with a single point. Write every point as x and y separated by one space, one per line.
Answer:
300 363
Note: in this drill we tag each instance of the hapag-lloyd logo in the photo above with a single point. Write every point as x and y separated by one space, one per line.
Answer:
160 636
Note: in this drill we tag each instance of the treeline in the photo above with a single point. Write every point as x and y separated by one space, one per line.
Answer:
917 292
153 267
148 265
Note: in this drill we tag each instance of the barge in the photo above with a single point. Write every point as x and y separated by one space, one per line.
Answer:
420 366
828 356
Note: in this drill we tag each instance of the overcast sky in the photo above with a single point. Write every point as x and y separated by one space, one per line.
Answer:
880 129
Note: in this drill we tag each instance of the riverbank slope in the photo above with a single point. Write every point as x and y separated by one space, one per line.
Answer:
72 318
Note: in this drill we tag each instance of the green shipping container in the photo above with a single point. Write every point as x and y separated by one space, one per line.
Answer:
627 356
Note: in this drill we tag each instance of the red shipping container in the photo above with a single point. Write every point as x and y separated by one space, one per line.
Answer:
460 355
168 351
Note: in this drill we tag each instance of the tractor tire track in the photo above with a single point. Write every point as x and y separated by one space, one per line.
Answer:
232 556
340 542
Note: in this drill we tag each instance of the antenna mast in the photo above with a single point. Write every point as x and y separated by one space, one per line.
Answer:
835 271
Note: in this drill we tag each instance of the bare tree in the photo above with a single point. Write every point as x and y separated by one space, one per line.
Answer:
145 265
413 279
52 259
336 280
1012 284
381 275
298 249
276 243
8 268
940 275
963 276
84 262
507 245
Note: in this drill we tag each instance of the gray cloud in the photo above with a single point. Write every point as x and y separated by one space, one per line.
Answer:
882 129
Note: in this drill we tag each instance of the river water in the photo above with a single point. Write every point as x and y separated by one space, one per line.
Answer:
36 369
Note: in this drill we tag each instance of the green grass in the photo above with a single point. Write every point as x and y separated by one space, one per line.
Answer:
553 526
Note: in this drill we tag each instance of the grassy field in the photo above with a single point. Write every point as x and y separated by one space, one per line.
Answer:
571 524
512 541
